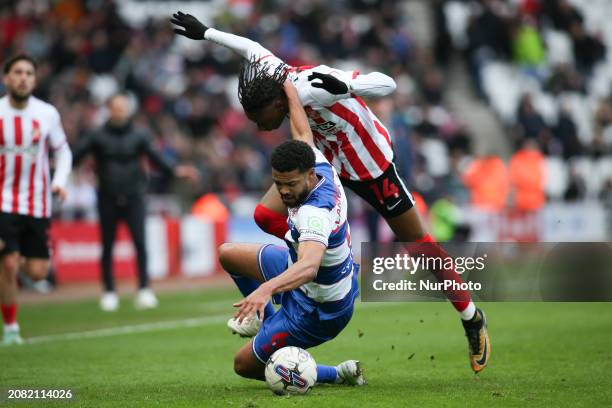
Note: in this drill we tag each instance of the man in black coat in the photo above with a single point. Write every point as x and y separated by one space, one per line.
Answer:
117 148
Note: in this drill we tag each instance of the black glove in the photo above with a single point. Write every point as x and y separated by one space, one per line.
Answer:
192 27
328 82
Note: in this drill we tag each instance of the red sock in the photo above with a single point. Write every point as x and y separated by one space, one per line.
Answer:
426 238
271 221
459 298
9 313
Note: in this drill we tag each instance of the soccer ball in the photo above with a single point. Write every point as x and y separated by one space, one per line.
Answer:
291 370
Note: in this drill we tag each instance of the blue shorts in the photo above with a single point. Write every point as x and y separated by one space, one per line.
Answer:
290 325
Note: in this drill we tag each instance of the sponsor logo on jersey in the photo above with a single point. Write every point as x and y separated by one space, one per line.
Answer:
36 135
326 126
32 149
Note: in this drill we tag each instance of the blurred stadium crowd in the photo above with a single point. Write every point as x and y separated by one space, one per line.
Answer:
543 67
539 64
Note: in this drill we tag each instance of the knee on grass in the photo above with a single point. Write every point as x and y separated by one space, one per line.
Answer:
244 368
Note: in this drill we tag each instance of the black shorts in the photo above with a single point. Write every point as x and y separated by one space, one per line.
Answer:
27 235
387 193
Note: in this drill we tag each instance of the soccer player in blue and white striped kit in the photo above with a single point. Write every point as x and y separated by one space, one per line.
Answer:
314 278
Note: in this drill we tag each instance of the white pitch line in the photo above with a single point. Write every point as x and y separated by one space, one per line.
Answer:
130 329
156 326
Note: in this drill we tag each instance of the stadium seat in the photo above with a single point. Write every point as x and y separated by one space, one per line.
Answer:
556 177
586 169
102 87
599 84
581 114
457 17
504 99
436 156
603 168
559 47
547 106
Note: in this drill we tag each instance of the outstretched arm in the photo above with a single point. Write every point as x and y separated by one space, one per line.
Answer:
310 254
300 130
246 48
83 147
372 85
192 28
315 226
181 171
155 156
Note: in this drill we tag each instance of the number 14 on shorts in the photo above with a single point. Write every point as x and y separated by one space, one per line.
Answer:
389 190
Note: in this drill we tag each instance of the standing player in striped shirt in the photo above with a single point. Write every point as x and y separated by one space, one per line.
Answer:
29 127
352 139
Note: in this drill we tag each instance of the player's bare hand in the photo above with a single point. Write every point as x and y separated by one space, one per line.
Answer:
59 192
192 27
187 172
254 303
329 83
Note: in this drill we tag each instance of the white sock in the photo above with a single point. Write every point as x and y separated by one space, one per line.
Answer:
11 327
468 312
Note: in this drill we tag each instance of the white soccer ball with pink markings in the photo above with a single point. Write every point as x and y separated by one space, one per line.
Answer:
291 370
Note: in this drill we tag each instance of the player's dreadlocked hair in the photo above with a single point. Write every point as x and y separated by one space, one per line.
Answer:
257 87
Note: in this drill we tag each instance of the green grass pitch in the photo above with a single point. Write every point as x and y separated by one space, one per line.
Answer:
181 355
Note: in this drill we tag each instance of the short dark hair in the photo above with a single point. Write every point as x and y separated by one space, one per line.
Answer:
258 85
292 155
15 59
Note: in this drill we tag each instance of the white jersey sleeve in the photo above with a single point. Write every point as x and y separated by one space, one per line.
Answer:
314 224
372 85
245 47
57 136
63 155
312 96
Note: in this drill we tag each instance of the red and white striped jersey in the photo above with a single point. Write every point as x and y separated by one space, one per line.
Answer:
350 136
25 137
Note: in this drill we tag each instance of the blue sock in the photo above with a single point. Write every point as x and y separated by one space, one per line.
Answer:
326 374
248 286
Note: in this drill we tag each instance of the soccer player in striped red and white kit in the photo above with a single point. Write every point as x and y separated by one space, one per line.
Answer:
29 128
353 140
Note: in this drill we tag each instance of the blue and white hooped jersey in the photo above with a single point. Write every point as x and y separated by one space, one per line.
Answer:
322 218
